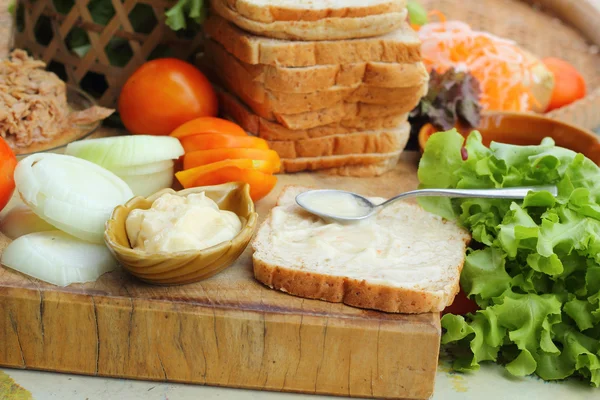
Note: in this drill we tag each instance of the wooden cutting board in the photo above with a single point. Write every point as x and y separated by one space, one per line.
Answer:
226 331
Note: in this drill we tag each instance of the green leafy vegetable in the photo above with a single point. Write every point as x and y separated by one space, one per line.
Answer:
417 14
178 14
536 270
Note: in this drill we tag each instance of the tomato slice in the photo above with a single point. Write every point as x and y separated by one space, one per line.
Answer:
209 141
208 125
8 162
203 157
189 176
260 183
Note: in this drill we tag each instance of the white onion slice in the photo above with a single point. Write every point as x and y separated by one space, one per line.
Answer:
90 224
58 258
123 151
145 185
72 194
20 221
145 169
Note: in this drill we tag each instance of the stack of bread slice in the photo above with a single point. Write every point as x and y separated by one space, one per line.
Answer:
328 83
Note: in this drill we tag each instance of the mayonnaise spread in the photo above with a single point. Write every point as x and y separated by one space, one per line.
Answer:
401 246
176 223
339 204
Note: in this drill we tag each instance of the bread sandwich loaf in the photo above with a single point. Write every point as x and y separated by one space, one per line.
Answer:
325 28
403 260
323 100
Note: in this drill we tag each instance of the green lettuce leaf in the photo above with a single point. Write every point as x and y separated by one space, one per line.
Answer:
535 269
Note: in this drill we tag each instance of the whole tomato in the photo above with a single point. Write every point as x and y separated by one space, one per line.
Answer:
163 94
569 85
8 162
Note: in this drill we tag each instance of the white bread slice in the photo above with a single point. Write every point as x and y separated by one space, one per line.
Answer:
418 272
267 102
233 109
331 114
401 46
315 78
333 28
382 141
309 10
345 164
366 170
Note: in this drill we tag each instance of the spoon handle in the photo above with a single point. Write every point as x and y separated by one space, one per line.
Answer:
503 193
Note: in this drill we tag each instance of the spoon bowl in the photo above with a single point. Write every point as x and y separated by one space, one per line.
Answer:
342 206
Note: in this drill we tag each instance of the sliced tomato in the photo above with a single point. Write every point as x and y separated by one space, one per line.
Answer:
209 141
203 157
208 125
8 162
188 177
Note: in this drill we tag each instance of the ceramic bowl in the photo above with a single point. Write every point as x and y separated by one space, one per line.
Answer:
530 129
187 266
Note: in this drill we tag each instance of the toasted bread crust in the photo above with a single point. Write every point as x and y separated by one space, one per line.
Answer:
334 28
403 47
276 12
338 289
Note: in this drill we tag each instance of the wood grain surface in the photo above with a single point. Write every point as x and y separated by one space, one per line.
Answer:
226 331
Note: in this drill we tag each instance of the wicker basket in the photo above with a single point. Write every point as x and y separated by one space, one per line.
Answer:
568 29
113 48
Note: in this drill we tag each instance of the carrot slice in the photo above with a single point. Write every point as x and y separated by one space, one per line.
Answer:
203 157
260 183
188 177
209 141
208 125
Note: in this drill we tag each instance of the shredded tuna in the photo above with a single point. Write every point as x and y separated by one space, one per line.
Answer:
33 103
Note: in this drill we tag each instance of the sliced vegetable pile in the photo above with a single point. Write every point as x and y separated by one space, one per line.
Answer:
59 234
535 267
218 151
144 162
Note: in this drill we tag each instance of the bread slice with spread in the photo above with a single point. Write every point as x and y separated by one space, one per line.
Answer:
403 260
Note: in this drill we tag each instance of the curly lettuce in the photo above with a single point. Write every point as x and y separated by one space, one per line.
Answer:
534 268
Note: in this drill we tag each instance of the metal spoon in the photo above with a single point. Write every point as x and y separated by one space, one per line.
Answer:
342 206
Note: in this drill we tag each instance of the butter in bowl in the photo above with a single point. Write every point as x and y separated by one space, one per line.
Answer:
173 238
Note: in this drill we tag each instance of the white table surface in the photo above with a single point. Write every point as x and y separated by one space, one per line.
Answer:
489 383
